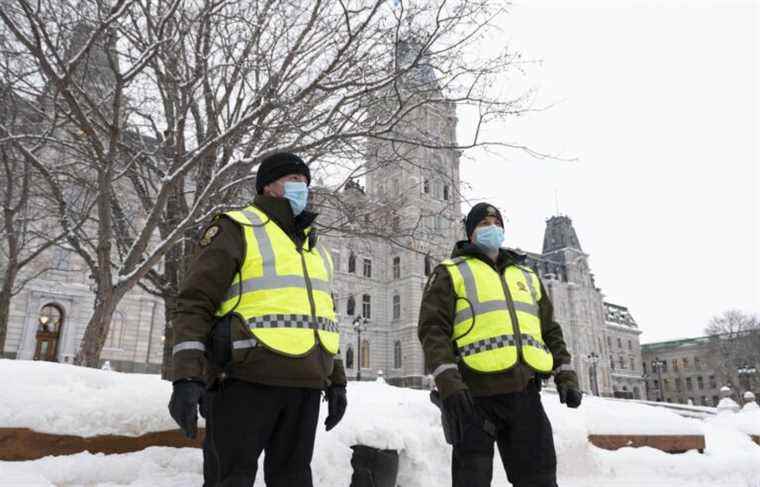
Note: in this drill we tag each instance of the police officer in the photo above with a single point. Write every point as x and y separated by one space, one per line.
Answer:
262 282
489 337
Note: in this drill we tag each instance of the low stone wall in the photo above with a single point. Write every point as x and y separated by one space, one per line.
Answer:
667 443
24 444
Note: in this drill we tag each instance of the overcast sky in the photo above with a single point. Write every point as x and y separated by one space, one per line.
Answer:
658 101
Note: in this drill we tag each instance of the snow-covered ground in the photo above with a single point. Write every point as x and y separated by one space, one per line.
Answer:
64 399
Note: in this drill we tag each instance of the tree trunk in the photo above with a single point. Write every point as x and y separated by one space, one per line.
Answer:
97 328
6 293
5 309
167 370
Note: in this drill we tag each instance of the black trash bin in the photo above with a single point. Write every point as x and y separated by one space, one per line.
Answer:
373 467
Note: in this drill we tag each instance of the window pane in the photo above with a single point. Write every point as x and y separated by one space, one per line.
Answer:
366 306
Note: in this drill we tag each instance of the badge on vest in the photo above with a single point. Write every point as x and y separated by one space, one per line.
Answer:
209 235
521 286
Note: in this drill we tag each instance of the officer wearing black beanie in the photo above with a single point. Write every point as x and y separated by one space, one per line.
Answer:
278 165
489 336
240 353
477 214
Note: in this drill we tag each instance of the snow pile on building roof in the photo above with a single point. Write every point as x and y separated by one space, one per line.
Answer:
65 399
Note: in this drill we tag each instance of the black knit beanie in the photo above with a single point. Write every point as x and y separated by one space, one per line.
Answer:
477 214
278 165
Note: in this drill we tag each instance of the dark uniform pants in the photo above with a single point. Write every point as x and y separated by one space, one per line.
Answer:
246 419
524 438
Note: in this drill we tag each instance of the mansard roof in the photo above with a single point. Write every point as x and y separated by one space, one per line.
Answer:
560 234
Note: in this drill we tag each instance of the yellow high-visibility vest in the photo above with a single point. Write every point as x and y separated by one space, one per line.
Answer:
283 293
497 321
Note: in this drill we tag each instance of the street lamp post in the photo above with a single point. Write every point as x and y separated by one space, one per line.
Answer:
593 358
657 365
745 373
360 324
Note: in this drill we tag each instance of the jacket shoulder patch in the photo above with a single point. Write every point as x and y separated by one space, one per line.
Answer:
430 282
210 233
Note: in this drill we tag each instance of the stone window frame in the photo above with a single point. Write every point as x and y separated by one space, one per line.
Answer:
367 306
397 359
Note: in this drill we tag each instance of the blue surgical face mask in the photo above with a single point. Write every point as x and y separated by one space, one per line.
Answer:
490 237
297 194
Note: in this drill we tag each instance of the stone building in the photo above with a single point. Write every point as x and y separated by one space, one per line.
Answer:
694 369
591 326
409 188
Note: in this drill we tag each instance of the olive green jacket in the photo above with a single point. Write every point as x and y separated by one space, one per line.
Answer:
436 325
220 254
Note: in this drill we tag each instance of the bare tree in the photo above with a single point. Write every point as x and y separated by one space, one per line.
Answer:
736 338
24 241
159 111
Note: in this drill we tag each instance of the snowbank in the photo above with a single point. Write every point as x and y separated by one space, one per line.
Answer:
746 421
65 399
57 398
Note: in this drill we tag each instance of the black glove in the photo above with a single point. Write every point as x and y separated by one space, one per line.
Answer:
336 405
183 406
567 388
459 412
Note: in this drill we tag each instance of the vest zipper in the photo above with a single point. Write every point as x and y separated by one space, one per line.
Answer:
512 315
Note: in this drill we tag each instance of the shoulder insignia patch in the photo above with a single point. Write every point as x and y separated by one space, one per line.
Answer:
209 235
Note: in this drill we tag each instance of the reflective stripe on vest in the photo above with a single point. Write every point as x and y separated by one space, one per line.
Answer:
272 293
486 337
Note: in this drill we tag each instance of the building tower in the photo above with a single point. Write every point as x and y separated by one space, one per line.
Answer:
578 304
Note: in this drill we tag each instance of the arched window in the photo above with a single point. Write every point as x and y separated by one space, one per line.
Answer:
115 331
397 355
350 306
446 192
621 362
396 307
365 354
397 267
350 358
366 306
351 263
428 265
426 186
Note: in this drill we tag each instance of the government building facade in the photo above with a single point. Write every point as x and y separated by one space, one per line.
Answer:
388 230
